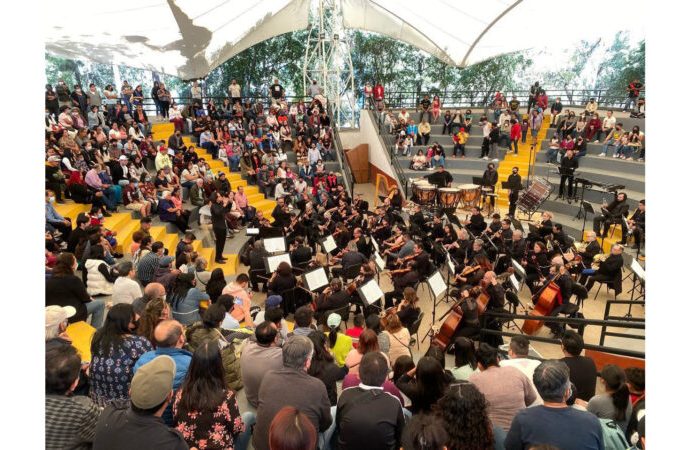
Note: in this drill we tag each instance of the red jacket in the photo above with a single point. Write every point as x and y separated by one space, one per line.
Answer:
515 131
378 92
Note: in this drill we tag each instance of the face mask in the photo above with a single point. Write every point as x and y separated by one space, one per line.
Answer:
100 215
51 199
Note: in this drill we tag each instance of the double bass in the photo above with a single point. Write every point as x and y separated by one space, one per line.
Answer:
546 300
444 337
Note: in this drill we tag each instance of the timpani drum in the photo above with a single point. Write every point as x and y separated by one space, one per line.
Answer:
449 198
469 195
423 192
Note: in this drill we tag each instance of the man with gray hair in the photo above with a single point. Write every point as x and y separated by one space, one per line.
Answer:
350 257
292 386
126 289
554 423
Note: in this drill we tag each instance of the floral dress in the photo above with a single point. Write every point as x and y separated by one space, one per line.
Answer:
111 374
205 430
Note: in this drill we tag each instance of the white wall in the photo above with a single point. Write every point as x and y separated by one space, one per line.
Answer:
368 134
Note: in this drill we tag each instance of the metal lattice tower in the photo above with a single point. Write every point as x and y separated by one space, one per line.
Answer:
327 60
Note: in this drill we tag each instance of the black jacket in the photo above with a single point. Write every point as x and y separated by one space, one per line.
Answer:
68 290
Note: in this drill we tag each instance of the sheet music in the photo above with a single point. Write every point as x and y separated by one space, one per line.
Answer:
329 244
638 269
438 286
515 283
375 244
371 292
273 261
274 245
252 231
316 279
379 261
519 269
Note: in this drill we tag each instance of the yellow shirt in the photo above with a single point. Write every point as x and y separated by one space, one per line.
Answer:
462 137
342 347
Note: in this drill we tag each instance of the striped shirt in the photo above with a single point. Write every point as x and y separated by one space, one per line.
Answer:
147 267
70 421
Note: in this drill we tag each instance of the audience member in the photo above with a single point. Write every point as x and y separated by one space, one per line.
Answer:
583 371
259 356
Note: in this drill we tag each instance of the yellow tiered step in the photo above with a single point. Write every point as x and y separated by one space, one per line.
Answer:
116 220
170 242
230 266
157 233
124 234
71 210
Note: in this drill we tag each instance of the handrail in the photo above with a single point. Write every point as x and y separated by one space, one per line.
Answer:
632 324
481 98
348 177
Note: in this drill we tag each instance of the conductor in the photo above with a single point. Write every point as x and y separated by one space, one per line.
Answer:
514 184
567 169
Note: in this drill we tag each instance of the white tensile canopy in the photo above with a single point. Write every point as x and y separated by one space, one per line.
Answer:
189 38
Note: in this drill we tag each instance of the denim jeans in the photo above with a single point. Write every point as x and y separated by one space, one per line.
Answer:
440 162
234 163
551 155
96 308
608 144
109 198
242 440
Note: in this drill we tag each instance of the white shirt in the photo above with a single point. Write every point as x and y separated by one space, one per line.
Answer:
608 122
125 290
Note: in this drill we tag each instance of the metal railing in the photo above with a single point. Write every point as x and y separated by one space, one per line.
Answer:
629 323
348 177
484 99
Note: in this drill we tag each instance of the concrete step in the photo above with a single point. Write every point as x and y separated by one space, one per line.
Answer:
124 234
71 209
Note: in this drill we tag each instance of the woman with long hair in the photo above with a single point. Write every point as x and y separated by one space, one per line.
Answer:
204 410
185 299
155 311
424 384
399 337
408 310
114 351
339 343
614 403
215 284
323 365
465 359
463 413
368 342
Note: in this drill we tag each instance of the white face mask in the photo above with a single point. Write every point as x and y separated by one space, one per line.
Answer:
51 199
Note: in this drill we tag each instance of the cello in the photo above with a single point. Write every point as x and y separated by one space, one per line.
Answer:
546 300
444 337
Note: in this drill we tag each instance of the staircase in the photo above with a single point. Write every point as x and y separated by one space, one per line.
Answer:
125 225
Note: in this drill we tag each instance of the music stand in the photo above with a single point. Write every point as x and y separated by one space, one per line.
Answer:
436 286
252 231
272 262
588 208
638 273
275 244
370 292
517 224
315 279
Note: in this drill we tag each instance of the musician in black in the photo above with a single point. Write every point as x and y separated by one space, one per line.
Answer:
417 220
476 224
476 250
333 297
441 178
437 228
515 184
515 248
281 216
359 204
469 325
489 180
219 207
536 266
497 300
635 225
561 277
568 166
615 211
609 271
458 249
544 229
559 237
294 228
593 248
408 277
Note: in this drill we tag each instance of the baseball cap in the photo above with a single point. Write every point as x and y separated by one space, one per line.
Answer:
273 301
123 158
334 320
153 382
166 261
54 158
55 314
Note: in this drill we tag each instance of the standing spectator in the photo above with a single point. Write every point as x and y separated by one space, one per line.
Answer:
277 91
506 388
292 386
379 95
70 420
52 103
535 121
634 88
583 371
164 100
533 93
205 410
366 416
114 351
528 427
514 135
138 425
260 356
556 109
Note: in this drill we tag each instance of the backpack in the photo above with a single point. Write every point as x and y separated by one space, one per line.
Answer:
614 438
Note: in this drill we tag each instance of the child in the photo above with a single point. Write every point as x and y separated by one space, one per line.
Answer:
524 127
